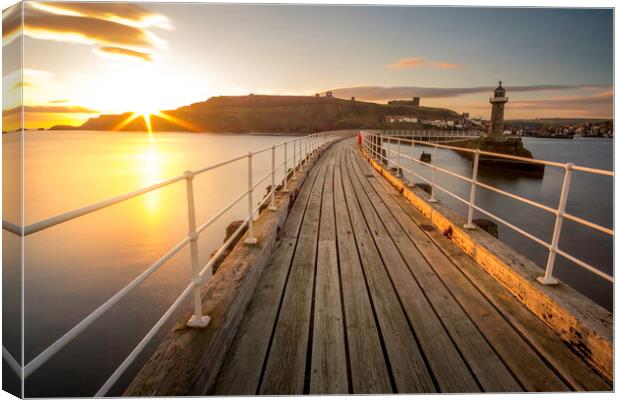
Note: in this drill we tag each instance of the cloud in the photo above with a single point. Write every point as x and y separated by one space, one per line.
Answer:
18 85
86 30
415 62
124 13
59 101
11 23
407 63
380 93
576 103
50 110
125 53
16 80
114 28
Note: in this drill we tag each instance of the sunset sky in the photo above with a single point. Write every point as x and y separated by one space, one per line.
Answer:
83 59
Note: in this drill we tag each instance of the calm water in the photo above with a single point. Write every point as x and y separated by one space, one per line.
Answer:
590 197
73 268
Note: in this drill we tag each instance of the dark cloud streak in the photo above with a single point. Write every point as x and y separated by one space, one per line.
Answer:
126 52
597 101
50 110
378 93
106 11
115 28
11 20
91 29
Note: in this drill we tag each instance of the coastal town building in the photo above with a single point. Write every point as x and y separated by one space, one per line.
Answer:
400 118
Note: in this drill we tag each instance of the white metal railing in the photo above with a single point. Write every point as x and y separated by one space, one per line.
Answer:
302 149
372 144
435 136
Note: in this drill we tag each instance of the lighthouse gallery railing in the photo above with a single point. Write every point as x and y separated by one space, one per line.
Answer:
302 149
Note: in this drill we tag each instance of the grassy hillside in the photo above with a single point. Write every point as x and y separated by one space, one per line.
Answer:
257 113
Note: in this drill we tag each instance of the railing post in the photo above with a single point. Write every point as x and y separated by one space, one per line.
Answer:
412 181
272 206
548 278
434 161
399 170
472 192
251 239
371 145
197 320
314 142
294 158
285 183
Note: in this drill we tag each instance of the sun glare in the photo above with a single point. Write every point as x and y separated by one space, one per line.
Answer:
146 116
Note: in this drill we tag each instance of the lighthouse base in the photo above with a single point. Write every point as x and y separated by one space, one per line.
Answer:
509 146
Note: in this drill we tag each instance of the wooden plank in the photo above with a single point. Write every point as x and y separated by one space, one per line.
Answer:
368 370
489 370
586 327
188 360
569 365
572 368
408 368
285 369
448 368
523 361
241 371
329 362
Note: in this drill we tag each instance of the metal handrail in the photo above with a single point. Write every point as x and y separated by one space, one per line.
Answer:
312 143
370 140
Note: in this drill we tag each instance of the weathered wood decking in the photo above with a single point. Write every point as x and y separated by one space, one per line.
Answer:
363 295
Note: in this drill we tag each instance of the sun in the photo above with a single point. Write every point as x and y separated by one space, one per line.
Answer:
146 116
143 113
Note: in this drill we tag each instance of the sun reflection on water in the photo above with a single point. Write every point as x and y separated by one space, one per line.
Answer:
149 170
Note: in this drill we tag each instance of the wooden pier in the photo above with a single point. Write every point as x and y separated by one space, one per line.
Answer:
363 294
